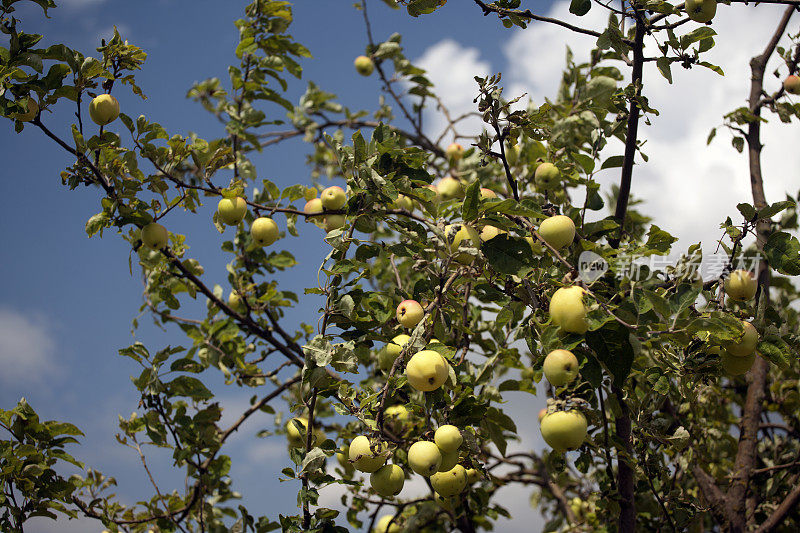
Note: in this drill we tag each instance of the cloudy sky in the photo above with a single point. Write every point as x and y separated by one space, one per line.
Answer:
68 301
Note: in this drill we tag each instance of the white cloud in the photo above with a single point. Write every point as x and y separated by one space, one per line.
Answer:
26 348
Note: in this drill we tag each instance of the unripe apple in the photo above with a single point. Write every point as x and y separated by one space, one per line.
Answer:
155 236
232 210
427 370
568 311
236 303
454 152
450 483
32 109
409 313
314 207
396 417
403 202
701 10
333 198
560 367
557 231
385 525
546 176
460 233
424 457
264 231
747 344
387 356
388 480
734 365
104 109
449 188
333 222
564 430
487 193
297 437
363 457
448 438
364 65
490 232
449 460
342 455
473 475
740 285
542 414
792 84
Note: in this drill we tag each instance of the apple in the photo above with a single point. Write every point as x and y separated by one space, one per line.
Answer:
232 210
395 417
236 302
454 152
449 460
473 475
564 430
449 188
557 231
388 480
387 356
104 109
427 370
385 525
734 365
460 233
448 438
747 344
490 232
32 109
560 367
403 202
424 457
314 207
297 436
333 198
546 176
792 84
364 65
568 311
264 231
450 483
409 313
366 457
448 504
333 222
487 193
741 285
701 10
342 455
155 236
542 414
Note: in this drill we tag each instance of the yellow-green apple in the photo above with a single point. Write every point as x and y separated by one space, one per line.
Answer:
460 233
333 198
387 356
386 525
297 436
557 231
424 457
450 483
333 222
560 367
104 109
449 460
546 176
454 152
388 480
564 430
449 188
747 344
490 232
403 202
31 110
568 311
396 417
314 207
155 236
701 10
236 302
365 456
740 285
409 313
232 210
473 475
734 365
792 84
448 438
342 456
487 193
427 370
364 65
264 231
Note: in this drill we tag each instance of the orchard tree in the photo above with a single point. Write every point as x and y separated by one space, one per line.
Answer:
456 274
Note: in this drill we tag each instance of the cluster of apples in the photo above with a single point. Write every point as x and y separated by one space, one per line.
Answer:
737 357
332 199
562 430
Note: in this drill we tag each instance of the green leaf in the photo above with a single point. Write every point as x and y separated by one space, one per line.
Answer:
778 351
663 64
613 162
783 253
469 209
613 347
580 7
424 7
775 208
509 255
747 211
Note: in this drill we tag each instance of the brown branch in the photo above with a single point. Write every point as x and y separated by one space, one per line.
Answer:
788 505
712 494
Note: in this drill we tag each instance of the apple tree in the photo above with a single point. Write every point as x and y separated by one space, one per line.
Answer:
455 276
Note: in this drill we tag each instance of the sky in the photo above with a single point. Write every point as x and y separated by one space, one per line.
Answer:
68 301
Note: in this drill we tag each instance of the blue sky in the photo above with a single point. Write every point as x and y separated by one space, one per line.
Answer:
68 301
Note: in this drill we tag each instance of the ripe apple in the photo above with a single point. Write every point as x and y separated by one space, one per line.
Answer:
487 193
449 460
473 475
409 313
333 222
314 207
232 210
747 345
364 456
155 236
236 302
460 233
734 365
542 414
792 84
364 65
427 370
385 525
264 231
740 285
333 198
568 311
387 356
388 480
424 457
546 176
296 436
701 10
564 430
448 438
454 152
450 483
32 109
396 417
490 232
104 109
560 367
449 188
403 202
557 231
